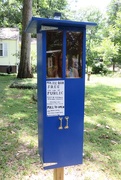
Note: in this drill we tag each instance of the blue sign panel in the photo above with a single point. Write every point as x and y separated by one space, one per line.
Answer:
61 47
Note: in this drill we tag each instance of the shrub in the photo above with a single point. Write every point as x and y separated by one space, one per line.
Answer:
99 68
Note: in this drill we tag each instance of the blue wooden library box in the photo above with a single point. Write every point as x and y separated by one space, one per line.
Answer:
61 56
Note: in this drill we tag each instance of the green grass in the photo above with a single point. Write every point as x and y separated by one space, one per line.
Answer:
103 124
18 130
19 157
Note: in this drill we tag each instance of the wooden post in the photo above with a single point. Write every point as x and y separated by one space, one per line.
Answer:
88 76
59 174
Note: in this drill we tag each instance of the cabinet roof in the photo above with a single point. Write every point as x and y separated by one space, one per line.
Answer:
36 23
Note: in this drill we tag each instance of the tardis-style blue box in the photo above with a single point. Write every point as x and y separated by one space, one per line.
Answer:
61 54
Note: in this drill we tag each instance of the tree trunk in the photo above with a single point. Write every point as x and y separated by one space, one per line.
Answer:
114 64
25 61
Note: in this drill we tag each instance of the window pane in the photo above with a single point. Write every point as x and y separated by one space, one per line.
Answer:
5 49
1 53
74 54
1 49
1 46
54 54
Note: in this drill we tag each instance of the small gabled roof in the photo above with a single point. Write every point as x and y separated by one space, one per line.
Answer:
9 33
35 24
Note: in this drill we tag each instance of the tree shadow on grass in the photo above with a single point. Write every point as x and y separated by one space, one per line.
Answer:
18 131
18 158
102 146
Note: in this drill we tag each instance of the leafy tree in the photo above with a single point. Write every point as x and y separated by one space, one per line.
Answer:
114 29
10 14
46 8
112 11
94 35
107 51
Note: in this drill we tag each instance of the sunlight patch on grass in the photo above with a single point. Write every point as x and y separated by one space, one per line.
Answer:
28 139
117 107
90 119
104 80
19 115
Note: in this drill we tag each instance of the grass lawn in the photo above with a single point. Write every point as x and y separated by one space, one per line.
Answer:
19 159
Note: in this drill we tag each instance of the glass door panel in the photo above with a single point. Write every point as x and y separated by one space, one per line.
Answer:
54 41
74 54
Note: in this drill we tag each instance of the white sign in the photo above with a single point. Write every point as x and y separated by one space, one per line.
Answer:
48 28
55 97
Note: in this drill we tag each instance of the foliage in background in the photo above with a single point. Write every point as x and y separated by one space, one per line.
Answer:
99 68
46 8
114 29
10 14
103 41
11 11
107 50
94 34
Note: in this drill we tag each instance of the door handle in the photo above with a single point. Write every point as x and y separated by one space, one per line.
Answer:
60 127
66 126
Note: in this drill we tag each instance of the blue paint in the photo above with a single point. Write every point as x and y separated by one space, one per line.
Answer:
36 23
60 148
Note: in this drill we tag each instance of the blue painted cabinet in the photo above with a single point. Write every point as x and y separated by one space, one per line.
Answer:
61 47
